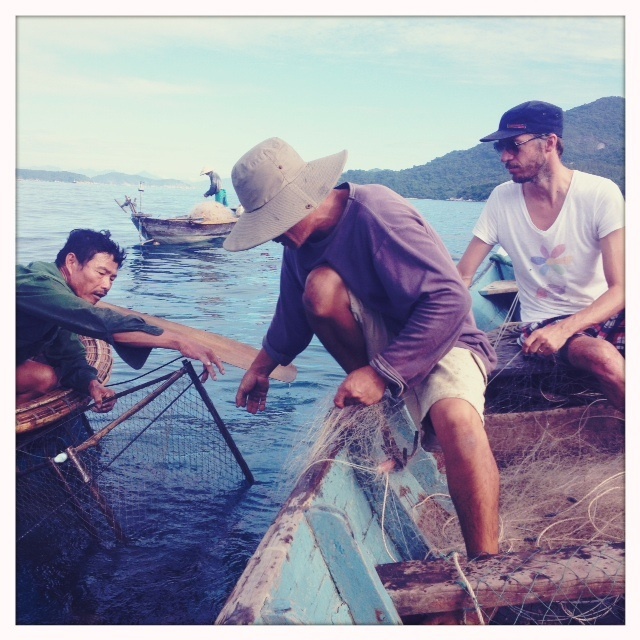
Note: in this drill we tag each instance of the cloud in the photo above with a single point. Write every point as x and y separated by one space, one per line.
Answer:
385 38
224 83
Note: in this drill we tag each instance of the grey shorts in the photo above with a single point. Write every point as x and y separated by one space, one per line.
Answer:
459 374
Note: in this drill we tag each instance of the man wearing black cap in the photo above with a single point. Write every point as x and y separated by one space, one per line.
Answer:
564 232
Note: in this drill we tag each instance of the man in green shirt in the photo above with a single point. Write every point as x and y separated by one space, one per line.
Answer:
56 301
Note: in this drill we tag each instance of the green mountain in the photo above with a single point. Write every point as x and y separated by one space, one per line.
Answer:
107 178
124 178
594 142
50 176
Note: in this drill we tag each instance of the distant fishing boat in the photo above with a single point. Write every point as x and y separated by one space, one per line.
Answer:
356 546
207 221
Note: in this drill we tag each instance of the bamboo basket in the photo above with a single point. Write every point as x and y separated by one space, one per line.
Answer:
61 402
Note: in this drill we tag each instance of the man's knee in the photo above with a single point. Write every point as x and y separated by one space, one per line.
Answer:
457 423
324 291
36 379
595 356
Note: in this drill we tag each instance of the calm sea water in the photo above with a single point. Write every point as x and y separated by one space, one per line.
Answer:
187 580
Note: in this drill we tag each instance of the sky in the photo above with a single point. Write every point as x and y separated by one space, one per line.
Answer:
168 95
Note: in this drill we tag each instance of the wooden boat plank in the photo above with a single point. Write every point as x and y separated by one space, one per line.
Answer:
271 585
499 287
600 427
229 351
340 495
341 490
406 488
401 529
511 579
355 578
289 604
263 574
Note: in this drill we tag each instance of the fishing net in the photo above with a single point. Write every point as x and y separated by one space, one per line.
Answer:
211 212
120 476
560 452
528 383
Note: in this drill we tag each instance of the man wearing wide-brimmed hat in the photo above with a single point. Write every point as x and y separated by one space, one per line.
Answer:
216 188
564 232
372 280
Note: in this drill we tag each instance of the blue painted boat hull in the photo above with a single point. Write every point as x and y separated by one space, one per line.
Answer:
317 562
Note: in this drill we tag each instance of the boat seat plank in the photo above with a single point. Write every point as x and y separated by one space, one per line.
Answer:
499 287
510 579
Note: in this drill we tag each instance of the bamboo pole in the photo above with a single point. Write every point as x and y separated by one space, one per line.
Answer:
229 351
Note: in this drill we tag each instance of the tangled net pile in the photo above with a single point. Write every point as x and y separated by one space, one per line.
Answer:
211 212
522 383
562 487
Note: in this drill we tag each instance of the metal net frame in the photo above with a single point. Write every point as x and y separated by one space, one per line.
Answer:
119 479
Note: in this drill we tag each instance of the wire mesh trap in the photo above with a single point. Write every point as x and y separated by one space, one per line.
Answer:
126 477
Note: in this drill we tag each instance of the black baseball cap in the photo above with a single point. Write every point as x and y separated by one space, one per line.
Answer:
529 117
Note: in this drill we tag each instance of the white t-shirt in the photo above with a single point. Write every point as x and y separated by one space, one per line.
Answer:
559 271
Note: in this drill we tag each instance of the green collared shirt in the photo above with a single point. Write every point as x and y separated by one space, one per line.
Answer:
49 317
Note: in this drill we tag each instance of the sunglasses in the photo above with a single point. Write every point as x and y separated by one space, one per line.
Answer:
512 146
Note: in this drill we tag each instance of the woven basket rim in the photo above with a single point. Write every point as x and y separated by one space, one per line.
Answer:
60 403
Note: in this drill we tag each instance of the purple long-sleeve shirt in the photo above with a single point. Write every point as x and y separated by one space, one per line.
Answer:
396 264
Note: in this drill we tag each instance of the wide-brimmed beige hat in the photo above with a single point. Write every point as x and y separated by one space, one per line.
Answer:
277 189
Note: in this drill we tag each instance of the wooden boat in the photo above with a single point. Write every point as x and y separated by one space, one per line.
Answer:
181 229
338 553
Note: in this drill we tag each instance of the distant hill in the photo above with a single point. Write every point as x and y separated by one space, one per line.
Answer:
124 178
594 142
107 178
50 176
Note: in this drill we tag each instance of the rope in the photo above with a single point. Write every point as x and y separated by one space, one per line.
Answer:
468 587
384 510
148 373
507 319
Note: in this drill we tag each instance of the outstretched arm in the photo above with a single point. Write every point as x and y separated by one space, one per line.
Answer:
188 347
475 253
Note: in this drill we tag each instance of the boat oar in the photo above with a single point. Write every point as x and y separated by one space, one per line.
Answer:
229 351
